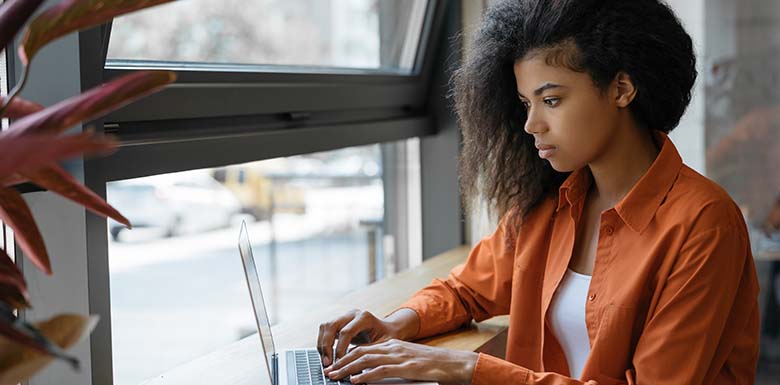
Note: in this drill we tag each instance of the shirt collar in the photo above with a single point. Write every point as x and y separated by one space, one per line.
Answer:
638 207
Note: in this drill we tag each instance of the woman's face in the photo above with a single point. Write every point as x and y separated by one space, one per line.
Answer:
571 119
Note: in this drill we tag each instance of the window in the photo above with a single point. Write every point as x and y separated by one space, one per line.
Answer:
316 226
231 113
342 83
357 34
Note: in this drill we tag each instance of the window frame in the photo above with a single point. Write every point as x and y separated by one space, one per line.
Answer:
341 107
283 89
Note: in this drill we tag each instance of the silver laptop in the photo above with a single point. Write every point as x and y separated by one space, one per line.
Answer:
294 367
290 367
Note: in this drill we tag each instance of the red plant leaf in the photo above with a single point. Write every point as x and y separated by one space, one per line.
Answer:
19 108
13 180
54 178
93 103
13 289
73 15
33 151
11 295
13 15
15 213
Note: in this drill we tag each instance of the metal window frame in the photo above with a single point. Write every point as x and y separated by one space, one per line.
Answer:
262 114
209 90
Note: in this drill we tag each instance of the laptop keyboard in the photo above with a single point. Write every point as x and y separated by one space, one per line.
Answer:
308 369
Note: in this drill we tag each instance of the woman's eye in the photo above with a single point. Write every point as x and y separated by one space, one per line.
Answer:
552 102
525 104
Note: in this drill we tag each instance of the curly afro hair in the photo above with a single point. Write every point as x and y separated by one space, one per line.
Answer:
642 38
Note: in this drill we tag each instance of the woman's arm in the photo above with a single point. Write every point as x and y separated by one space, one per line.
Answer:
479 289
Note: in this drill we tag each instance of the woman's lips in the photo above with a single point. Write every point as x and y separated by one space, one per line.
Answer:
546 151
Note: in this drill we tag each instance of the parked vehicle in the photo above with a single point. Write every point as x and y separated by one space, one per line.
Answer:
180 203
260 195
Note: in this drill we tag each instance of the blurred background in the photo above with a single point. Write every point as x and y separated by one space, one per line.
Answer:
741 76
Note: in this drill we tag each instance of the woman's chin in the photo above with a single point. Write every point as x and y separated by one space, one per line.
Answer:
560 166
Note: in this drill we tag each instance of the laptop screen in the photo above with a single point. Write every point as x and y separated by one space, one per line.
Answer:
256 293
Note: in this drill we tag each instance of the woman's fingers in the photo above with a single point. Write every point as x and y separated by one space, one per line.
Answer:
388 348
327 336
364 362
345 335
381 348
325 348
361 321
346 359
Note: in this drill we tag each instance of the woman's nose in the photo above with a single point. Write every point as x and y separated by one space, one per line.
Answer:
533 124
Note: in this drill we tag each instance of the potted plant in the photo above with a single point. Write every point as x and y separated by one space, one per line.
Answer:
30 151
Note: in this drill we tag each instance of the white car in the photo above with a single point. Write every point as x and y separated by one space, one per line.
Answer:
179 203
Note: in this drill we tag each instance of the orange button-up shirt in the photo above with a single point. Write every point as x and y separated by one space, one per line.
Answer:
672 299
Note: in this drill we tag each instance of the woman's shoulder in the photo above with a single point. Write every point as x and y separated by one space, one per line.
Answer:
698 203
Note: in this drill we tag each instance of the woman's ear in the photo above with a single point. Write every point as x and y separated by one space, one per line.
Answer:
625 91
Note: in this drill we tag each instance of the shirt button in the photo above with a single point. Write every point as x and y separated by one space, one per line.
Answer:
591 297
609 230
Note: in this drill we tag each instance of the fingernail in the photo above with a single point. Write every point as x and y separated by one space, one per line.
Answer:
326 361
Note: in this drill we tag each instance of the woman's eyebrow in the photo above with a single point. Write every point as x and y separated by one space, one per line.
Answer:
541 89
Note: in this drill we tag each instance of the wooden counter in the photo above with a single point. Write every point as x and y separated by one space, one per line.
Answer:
242 362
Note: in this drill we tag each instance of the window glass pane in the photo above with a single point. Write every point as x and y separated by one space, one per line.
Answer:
743 141
177 279
364 34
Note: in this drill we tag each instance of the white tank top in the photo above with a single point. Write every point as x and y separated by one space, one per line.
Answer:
567 319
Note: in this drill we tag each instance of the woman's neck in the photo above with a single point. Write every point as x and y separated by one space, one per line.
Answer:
627 159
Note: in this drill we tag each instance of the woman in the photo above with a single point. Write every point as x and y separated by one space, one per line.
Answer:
615 262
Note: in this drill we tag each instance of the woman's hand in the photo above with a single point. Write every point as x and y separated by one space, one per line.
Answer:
407 360
362 327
